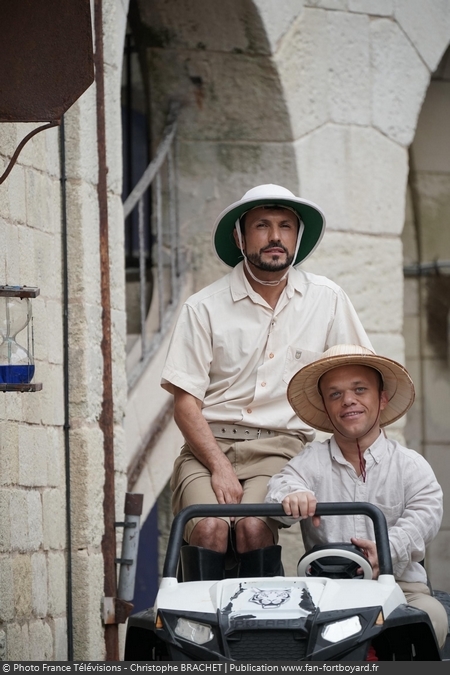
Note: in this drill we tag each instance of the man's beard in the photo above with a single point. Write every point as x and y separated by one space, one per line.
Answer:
272 265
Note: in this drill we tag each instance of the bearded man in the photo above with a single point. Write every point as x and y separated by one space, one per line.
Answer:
234 349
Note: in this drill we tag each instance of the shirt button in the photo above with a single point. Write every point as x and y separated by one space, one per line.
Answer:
249 410
263 384
271 355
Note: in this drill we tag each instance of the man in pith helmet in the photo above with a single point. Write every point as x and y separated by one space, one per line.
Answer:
353 394
235 347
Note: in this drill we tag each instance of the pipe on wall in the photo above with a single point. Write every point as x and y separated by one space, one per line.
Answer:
65 319
106 421
421 308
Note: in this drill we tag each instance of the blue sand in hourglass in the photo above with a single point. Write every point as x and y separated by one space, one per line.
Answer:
22 374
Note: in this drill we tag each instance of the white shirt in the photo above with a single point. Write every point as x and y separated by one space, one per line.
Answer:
398 480
236 354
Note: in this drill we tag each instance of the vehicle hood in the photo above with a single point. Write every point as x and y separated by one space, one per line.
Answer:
279 597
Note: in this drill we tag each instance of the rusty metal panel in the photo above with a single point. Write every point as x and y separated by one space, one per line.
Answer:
46 60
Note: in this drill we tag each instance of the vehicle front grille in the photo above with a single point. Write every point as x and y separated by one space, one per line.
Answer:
261 645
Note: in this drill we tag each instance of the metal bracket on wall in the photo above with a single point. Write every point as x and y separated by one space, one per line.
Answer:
22 143
47 62
116 610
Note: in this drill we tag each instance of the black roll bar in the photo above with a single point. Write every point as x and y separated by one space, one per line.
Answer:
273 510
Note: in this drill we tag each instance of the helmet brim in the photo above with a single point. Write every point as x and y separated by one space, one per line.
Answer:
223 240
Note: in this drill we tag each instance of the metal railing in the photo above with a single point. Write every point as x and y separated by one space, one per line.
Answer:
161 176
426 269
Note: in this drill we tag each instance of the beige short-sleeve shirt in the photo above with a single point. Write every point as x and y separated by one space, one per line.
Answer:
236 354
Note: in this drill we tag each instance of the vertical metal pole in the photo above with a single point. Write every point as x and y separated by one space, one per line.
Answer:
65 280
142 276
172 224
159 248
8 329
448 337
106 421
130 545
421 293
129 122
175 203
128 132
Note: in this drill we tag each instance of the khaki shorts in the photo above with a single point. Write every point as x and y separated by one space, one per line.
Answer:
418 595
254 462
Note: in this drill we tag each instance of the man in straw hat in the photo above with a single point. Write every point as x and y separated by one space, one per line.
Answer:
234 348
353 393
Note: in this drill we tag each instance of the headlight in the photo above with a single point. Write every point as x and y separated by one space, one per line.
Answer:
339 630
199 633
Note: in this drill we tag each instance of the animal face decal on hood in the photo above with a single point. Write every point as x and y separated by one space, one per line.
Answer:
270 598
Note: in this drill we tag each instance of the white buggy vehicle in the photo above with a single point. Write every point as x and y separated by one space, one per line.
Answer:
317 616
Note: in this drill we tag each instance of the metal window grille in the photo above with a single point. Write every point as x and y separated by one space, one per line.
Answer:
158 184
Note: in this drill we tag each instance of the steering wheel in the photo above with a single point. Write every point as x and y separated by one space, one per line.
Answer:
341 551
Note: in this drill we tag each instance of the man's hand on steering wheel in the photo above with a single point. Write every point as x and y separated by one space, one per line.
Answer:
369 549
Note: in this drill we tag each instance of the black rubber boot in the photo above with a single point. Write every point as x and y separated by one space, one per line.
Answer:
201 564
262 562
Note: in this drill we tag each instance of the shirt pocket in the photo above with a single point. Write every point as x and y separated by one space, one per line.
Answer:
392 512
297 358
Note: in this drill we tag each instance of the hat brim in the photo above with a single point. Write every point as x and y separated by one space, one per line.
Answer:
304 395
223 239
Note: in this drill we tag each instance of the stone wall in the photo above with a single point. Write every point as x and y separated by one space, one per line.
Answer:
33 514
323 98
32 484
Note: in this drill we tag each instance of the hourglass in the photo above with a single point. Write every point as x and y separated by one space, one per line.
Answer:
16 360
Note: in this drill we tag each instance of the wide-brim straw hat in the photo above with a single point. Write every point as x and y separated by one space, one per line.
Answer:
305 398
264 195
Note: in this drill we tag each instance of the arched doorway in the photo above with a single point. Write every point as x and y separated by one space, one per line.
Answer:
426 242
234 131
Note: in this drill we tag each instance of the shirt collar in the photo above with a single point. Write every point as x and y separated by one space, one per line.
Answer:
241 288
376 450
335 451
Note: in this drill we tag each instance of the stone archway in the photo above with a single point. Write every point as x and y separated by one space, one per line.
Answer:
426 240
234 126
323 99
234 131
